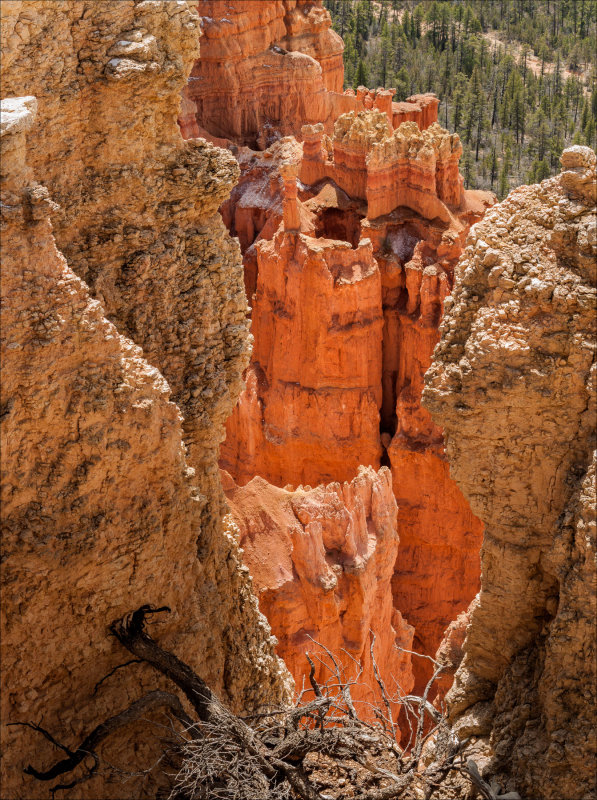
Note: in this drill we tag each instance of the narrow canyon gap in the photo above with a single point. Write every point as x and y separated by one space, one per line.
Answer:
351 214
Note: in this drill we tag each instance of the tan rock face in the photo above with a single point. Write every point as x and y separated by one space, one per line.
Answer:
322 561
138 214
513 385
451 652
101 509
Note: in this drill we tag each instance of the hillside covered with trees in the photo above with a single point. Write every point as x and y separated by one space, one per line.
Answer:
516 78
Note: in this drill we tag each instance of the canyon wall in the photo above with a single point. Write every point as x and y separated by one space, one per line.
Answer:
268 67
125 332
125 311
513 383
263 65
346 304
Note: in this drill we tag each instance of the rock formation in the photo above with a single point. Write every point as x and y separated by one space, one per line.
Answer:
322 561
268 67
262 65
311 418
111 498
345 331
407 167
450 654
346 306
513 385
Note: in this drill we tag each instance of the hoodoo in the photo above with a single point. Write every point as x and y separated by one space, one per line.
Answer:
346 299
350 232
322 561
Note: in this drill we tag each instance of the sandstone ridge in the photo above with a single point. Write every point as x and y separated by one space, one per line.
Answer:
513 385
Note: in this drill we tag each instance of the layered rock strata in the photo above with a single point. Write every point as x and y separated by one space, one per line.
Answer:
322 561
111 497
406 167
267 68
315 419
513 383
346 307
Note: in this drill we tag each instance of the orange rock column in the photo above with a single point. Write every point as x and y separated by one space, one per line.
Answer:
292 221
383 102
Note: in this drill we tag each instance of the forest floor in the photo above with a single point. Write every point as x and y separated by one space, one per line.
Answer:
514 48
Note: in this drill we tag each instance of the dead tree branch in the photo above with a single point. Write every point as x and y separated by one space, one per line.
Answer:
274 753
151 701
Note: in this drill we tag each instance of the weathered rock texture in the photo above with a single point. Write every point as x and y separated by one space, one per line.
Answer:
254 209
513 385
322 561
388 168
138 214
346 307
450 654
269 67
102 509
310 410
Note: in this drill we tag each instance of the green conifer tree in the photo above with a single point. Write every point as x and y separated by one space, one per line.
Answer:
361 74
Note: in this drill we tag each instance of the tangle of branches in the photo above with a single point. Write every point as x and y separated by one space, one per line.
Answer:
291 753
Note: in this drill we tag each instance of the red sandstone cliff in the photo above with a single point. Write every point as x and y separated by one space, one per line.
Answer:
310 411
263 67
349 244
268 67
346 306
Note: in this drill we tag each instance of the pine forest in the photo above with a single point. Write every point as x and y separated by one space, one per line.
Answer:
516 78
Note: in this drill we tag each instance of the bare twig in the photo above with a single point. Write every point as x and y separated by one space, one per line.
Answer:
382 688
112 671
88 746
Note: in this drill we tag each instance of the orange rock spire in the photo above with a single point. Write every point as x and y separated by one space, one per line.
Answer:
349 242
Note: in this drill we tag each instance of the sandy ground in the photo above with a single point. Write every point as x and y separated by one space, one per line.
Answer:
533 62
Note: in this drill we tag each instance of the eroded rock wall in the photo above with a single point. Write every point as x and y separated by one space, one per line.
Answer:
388 168
322 562
346 307
268 67
263 67
310 410
513 385
137 217
111 496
